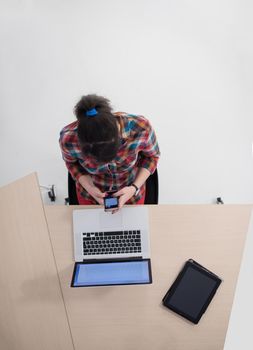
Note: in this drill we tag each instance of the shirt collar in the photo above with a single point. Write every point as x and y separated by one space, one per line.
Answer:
124 123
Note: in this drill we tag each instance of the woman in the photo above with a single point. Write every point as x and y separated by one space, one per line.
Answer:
106 151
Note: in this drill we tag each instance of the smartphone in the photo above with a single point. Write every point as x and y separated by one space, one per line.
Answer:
110 202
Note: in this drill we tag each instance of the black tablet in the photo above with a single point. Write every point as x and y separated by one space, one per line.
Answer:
192 291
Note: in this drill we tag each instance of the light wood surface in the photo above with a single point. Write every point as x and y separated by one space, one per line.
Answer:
32 311
132 317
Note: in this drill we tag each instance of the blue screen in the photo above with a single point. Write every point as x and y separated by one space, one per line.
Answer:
111 202
112 273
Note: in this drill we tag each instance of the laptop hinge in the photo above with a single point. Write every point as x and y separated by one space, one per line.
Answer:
132 258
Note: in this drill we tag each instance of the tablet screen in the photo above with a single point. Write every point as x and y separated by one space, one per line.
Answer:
192 292
111 273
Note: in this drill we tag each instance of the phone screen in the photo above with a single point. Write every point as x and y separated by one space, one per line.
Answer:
111 202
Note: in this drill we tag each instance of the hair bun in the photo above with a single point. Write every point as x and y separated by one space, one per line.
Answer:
90 102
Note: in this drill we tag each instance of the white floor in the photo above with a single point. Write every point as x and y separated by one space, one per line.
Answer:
240 331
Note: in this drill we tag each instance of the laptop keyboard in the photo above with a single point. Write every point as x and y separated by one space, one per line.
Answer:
115 242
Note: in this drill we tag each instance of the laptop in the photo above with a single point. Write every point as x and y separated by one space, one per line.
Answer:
111 249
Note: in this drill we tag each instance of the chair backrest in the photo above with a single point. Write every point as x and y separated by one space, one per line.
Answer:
151 190
72 199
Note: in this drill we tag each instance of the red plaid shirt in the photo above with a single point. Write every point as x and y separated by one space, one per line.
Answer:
138 149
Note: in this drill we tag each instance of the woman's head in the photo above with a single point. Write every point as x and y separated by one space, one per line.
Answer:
98 131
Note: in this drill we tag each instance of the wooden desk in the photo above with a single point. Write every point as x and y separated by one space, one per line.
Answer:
132 317
32 311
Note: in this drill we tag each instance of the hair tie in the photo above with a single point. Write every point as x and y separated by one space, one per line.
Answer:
91 112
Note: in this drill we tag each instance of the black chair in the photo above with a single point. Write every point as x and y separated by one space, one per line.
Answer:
151 190
72 196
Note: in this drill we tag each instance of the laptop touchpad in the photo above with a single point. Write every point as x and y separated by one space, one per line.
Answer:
110 221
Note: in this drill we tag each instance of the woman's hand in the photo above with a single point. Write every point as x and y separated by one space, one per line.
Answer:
89 186
96 194
124 195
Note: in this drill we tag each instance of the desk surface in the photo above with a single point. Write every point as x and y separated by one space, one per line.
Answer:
132 317
32 311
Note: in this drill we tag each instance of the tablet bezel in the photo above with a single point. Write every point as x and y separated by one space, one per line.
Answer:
191 264
110 261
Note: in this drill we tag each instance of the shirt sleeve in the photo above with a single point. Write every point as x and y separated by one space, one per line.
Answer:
150 153
71 161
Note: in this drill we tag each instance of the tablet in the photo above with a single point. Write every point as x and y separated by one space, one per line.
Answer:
111 272
192 291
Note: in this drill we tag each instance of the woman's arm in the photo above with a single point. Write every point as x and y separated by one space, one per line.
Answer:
141 177
127 192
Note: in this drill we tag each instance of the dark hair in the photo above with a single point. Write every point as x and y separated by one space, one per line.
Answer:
98 135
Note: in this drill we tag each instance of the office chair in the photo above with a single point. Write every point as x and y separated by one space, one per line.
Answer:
151 190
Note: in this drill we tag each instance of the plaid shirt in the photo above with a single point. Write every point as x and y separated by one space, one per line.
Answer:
138 149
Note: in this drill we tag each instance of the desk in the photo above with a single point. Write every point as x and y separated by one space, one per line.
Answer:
40 311
32 311
132 317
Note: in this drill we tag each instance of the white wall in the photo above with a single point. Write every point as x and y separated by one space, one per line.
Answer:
186 65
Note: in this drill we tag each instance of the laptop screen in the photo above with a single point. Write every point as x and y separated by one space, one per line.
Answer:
108 273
